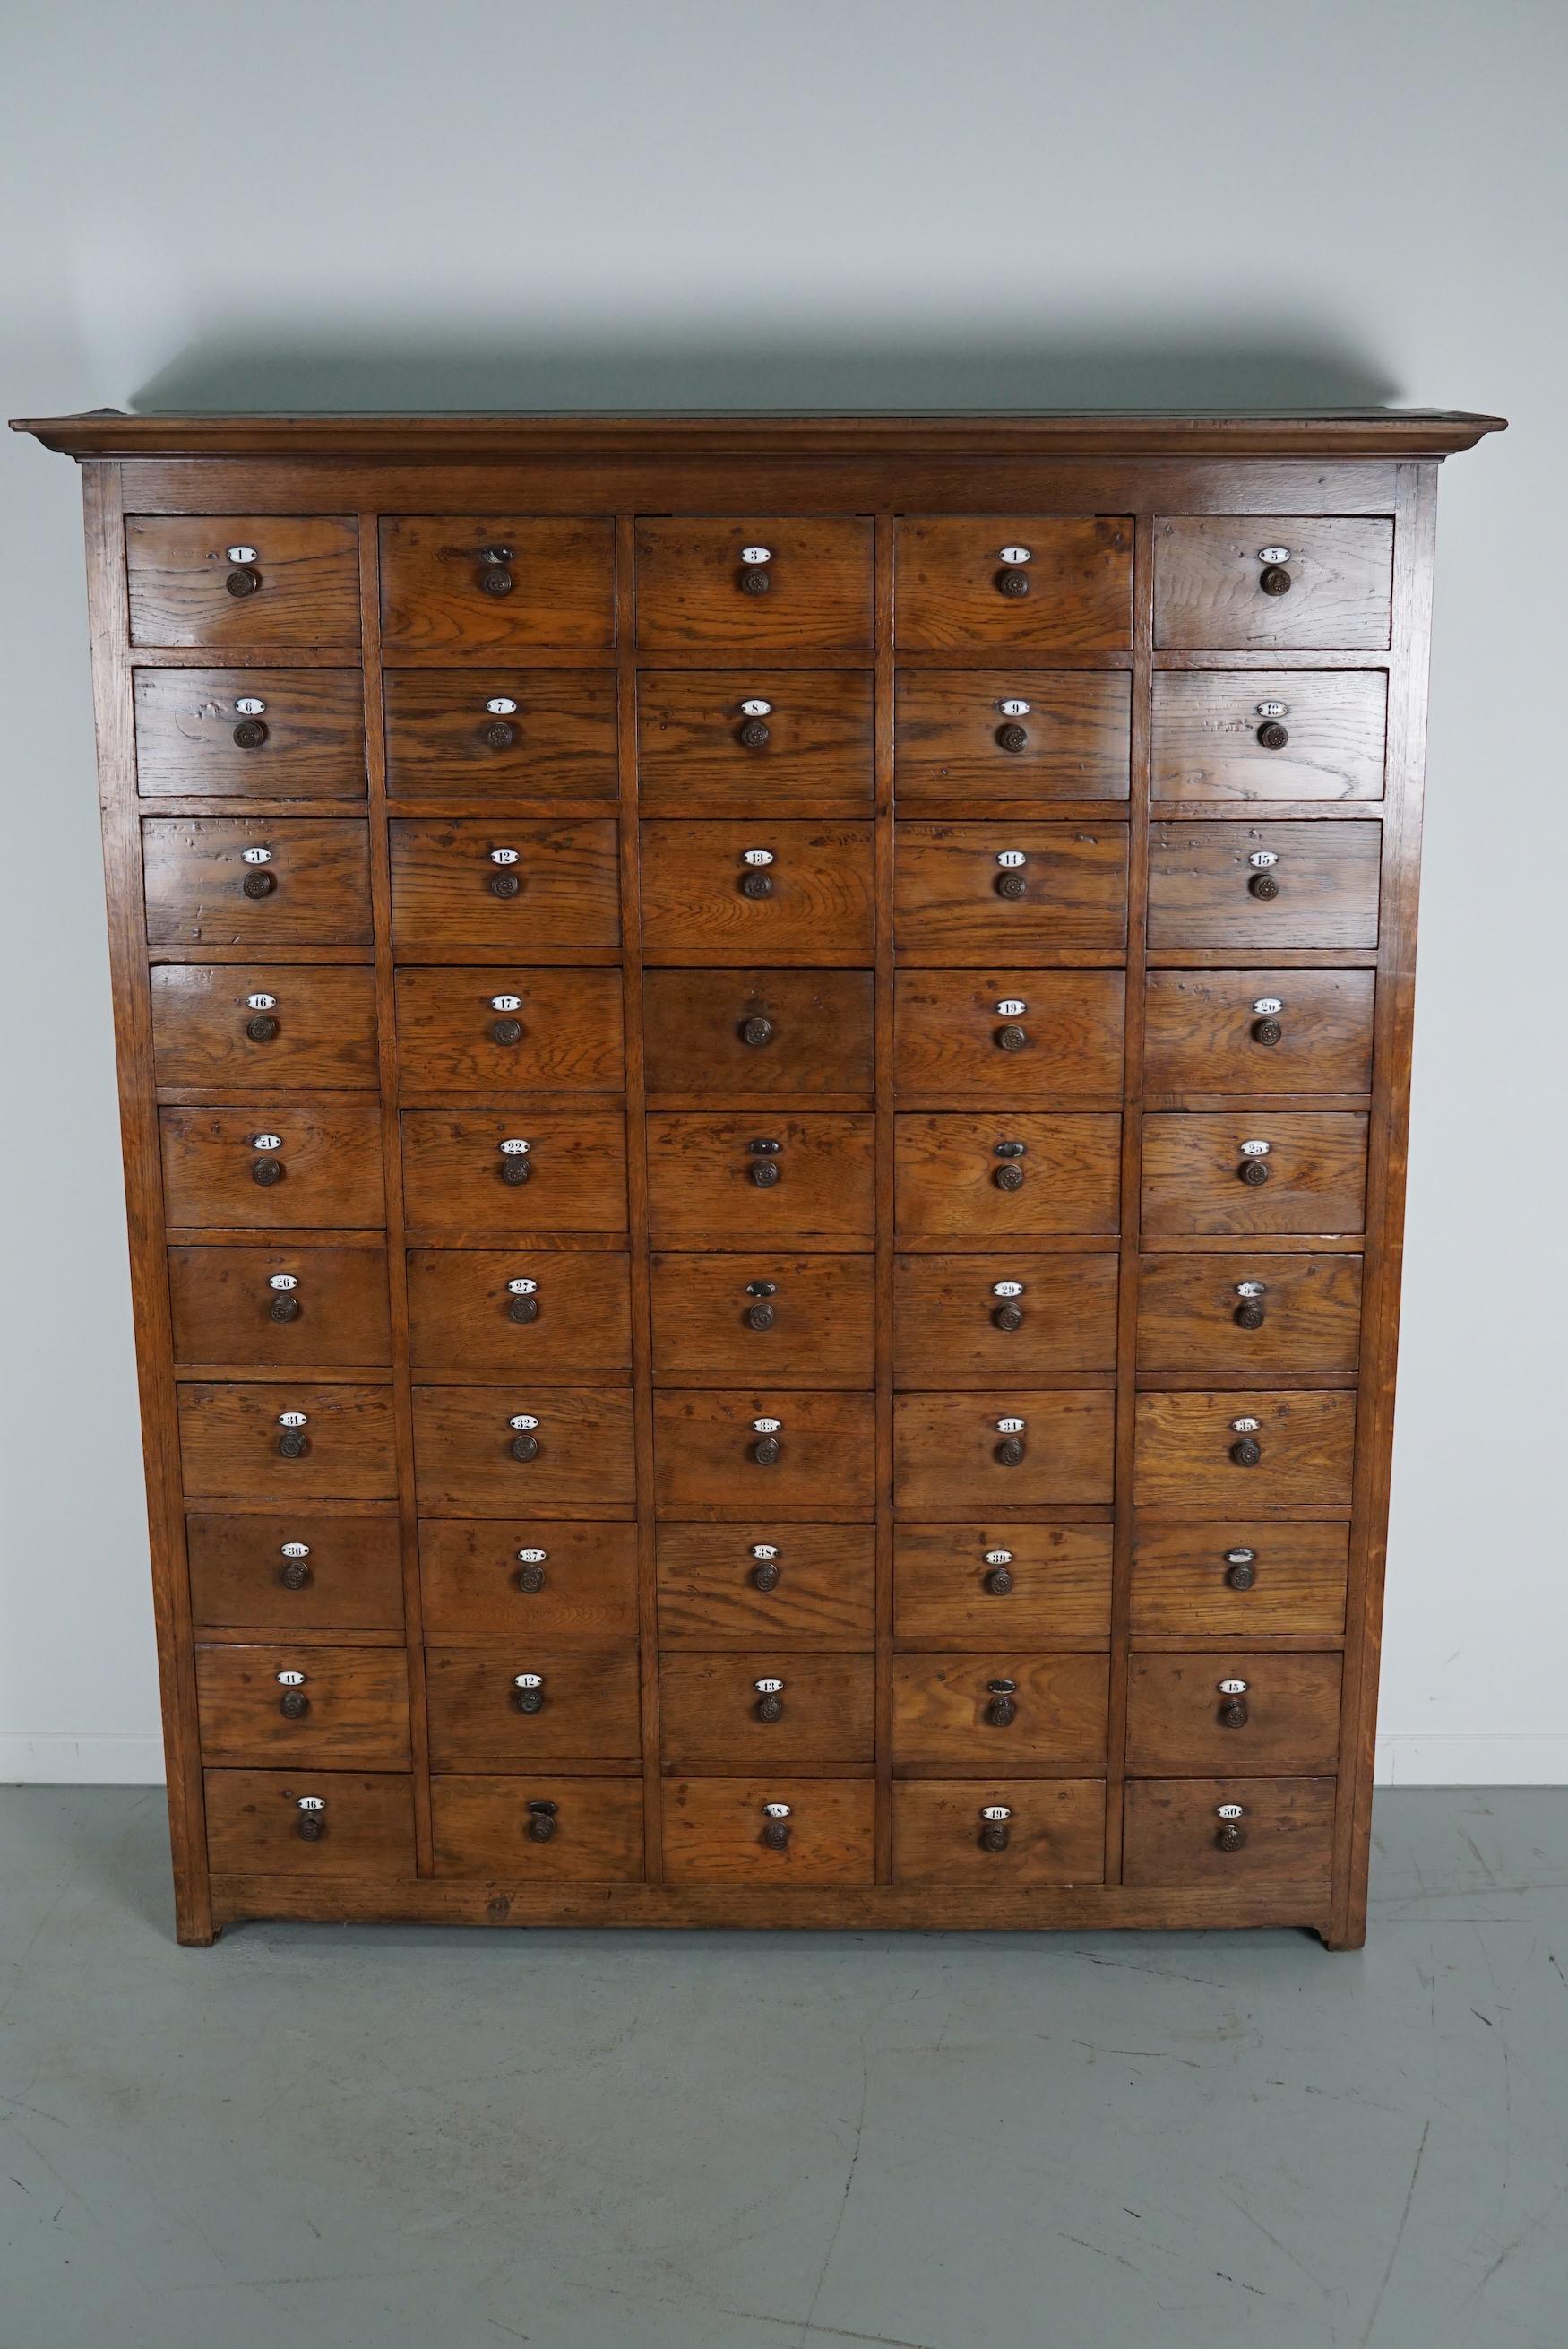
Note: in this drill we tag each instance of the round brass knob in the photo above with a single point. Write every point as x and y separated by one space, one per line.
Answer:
1267 1032
1229 1837
756 885
522 1309
310 1828
999 1581
294 1704
498 734
507 1031
1012 582
757 1031
528 1700
250 734
1264 885
296 1574
765 1173
1274 581
1001 1712
294 1444
1233 1712
258 884
1012 738
531 1579
1253 1172
1009 1175
261 1029
514 1171
541 1821
1011 1038
754 578
770 1707
1246 1452
760 1316
284 1308
766 1451
267 1170
752 734
505 885
1010 1452
1250 1314
994 1835
1272 735
1009 1316
524 1446
496 579
776 1832
765 1575
242 581
1012 885
1242 1575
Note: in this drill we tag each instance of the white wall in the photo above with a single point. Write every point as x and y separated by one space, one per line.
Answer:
877 202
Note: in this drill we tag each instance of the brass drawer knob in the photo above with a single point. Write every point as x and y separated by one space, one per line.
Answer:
1010 1452
541 1818
765 1173
1012 885
516 1169
522 1309
250 734
524 1446
1272 735
770 1698
311 1826
1012 738
507 1031
259 883
1264 885
1274 580
765 1575
1253 1172
261 1028
294 1704
993 1826
1012 1039
285 1307
530 1579
294 1444
496 579
757 1031
752 734
756 885
776 1827
1229 1837
528 1693
760 1316
267 1170
1009 1316
766 1451
1012 582
1246 1452
295 1573
1241 1574
754 579
999 1581
504 884
1233 1712
498 734
1267 1031
1009 1175
242 581
1001 1712
1250 1314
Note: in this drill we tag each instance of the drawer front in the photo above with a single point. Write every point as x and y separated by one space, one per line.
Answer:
469 1459
345 1704
707 898
466 1312
459 1177
710 1709
269 734
231 581
1207 887
287 1570
327 1822
1234 1577
552 1579
954 1041
550 735
505 884
716 1831
812 1031
703 1181
329 1163
701 746
249 881
248 1024
1201 1313
708 1465
1263 734
811 1587
457 1029
1053 1719
587 1705
695 588
1000 1585
952 1458
981 1321
1053 1833
1205 1033
804 1318
1285 1833
550 585
969 892
1316 1170
272 1306
954 587
1285 1722
1213 574
536 1829
1189 1450
961 735
954 1176
232 1434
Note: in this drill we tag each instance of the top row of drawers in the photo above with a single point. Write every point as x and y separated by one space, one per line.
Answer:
454 583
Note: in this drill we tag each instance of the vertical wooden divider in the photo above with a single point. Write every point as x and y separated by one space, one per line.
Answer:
884 1226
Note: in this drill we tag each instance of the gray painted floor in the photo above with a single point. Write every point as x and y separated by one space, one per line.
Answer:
353 2139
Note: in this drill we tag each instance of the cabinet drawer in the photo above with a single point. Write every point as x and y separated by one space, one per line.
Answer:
958 735
953 586
1285 1718
702 1180
1238 1577
269 734
496 583
808 1320
954 1176
587 1704
1207 886
945 1709
346 1704
1217 734
967 893
701 746
980 1321
231 581
1187 1447
230 1435
706 899
501 733
505 883
715 1831
814 1588
950 1456
459 1177
469 1459
530 1829
707 1465
954 1042
710 1707
321 1168
1212 576
278 1306
981 1586
510 1030
1205 1033
535 1578
1314 1170
327 1823
1189 1311
759 1032
250 881
247 1024
695 588
1053 1833
466 1313
1285 1833
291 1570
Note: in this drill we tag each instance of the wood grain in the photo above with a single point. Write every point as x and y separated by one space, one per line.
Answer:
690 593
1076 736
1287 1824
433 606
819 1332
443 874
945 1450
465 1463
237 1562
1185 1442
819 908
1056 1834
701 1187
442 741
330 1154
484 1828
941 1706
225 1307
1181 1577
1175 1724
947 1332
453 1182
945 1172
307 567
365 1823
586 1582
1202 1032
709 1708
589 1708
948 1026
817 755
1079 574
1207 570
820 1040
706 1464
713 1831
321 1018
229 1433
948 905
1060 1584
1206 734
1187 1308
1316 1173
195 871
447 1044
823 1597
1200 891
314 745
355 1699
